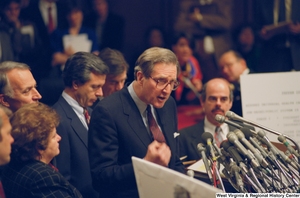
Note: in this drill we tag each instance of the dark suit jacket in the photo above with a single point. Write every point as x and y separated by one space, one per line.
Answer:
33 14
189 138
113 31
35 179
73 162
271 61
7 53
116 133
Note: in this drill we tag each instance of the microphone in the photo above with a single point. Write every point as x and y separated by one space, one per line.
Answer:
233 116
202 151
221 119
190 173
234 139
255 152
283 140
232 151
208 138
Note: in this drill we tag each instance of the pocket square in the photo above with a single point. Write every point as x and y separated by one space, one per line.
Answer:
176 134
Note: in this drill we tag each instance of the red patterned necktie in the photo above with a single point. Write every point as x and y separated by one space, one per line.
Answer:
156 132
86 115
218 136
50 20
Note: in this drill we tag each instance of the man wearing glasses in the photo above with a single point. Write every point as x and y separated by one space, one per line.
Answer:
140 120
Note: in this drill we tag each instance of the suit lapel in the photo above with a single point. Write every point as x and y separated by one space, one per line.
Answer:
134 118
166 128
75 122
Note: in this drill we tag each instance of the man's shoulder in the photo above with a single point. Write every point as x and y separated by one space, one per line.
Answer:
194 129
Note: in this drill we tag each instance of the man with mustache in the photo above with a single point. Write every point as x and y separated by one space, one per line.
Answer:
216 98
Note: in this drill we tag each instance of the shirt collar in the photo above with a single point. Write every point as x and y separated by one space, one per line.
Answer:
139 103
73 103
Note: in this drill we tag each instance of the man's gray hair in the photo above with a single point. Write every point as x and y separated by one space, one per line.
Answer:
5 67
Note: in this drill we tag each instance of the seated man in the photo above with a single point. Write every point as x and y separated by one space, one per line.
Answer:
216 98
17 85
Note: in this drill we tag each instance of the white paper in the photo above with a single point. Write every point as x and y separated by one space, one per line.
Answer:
273 100
28 29
78 42
157 181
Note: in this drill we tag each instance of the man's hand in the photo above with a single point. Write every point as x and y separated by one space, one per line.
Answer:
294 28
158 153
196 16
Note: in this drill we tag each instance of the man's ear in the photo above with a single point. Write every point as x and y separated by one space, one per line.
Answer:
75 85
140 77
3 101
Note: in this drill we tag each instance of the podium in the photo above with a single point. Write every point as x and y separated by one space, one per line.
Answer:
157 181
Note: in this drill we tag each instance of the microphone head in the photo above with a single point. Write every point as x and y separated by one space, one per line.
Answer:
201 147
230 115
281 138
206 136
190 173
225 145
219 118
232 137
247 132
239 134
261 133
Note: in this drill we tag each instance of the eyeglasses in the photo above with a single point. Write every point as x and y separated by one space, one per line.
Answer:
163 83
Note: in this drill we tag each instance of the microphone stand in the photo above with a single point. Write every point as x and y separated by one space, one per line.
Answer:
233 116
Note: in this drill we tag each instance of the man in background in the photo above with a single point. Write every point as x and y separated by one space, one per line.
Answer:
118 68
17 85
216 98
232 65
84 76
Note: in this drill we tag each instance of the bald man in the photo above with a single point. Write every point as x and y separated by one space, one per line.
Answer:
216 98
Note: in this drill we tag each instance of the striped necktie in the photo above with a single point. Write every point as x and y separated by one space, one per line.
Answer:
87 116
218 136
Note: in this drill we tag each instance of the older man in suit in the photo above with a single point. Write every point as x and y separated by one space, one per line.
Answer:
140 120
84 75
17 85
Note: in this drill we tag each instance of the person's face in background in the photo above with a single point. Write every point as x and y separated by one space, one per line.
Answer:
114 83
52 148
23 88
151 94
12 12
182 50
217 100
75 18
231 67
6 139
156 39
101 7
246 39
87 93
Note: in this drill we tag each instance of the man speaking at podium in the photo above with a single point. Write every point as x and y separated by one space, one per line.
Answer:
216 98
139 120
